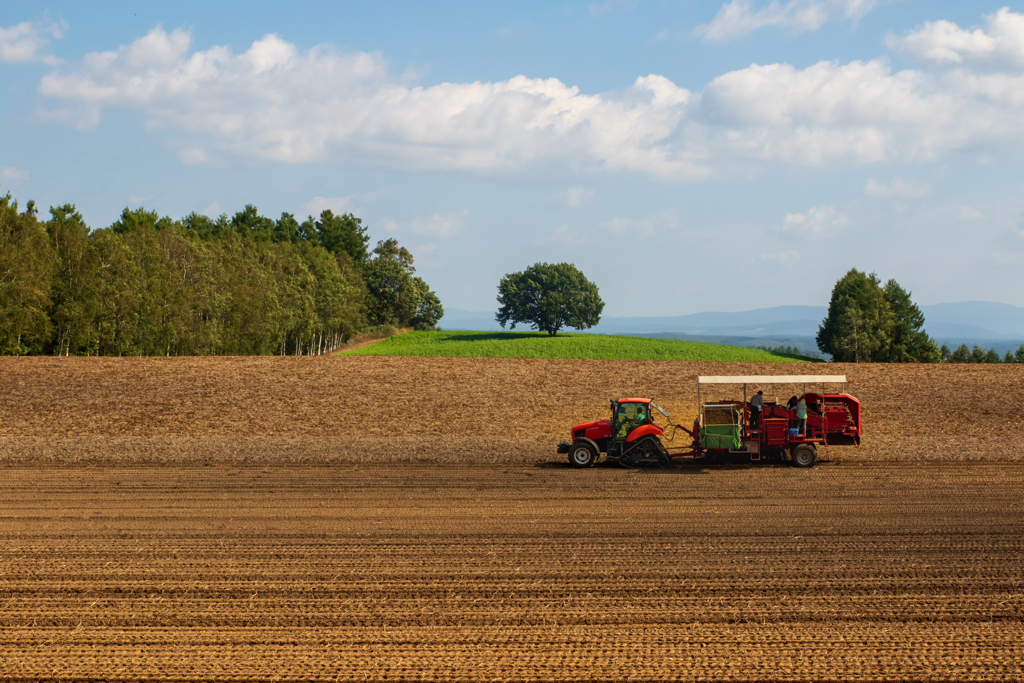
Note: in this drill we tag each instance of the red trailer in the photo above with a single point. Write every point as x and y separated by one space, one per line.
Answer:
725 427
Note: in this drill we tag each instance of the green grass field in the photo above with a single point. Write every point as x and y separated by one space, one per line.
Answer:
539 345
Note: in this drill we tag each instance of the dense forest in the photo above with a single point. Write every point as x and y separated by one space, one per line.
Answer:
246 284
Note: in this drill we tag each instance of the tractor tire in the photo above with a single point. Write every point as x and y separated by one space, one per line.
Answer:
804 455
627 461
582 454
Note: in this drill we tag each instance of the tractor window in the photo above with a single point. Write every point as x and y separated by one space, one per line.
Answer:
628 417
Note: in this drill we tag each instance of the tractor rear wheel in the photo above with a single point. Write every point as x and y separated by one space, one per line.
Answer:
582 454
804 455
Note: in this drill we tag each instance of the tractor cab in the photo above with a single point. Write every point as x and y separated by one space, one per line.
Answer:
628 414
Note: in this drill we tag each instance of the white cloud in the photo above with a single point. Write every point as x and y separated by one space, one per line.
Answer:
785 258
818 220
644 227
213 210
561 236
13 175
193 155
969 213
739 18
577 196
897 189
317 205
945 43
443 226
1007 258
24 42
276 102
438 225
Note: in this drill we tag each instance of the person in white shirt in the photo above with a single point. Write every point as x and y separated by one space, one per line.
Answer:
756 406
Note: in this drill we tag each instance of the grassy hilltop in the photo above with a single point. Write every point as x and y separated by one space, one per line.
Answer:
540 345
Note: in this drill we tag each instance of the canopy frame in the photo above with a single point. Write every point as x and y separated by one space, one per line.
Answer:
770 379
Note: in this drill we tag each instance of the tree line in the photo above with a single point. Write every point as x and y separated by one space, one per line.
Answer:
790 350
868 322
245 284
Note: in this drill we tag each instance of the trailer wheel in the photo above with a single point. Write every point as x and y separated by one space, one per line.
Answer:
582 454
804 455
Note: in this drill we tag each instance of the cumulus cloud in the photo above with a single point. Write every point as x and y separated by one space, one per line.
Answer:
13 175
642 227
897 189
317 205
945 43
739 18
276 102
785 258
561 236
577 196
818 220
24 42
437 225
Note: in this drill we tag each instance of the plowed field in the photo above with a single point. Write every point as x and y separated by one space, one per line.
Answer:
428 572
407 519
275 409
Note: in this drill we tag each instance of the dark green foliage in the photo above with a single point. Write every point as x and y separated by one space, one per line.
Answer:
26 277
343 234
152 286
1018 355
394 296
867 322
549 297
140 218
961 355
789 351
979 355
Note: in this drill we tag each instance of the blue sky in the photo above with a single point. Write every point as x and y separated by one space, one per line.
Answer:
687 156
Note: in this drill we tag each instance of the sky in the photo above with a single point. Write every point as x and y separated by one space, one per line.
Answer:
686 156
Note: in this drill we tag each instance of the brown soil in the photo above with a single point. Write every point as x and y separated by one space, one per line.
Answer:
317 560
374 409
881 571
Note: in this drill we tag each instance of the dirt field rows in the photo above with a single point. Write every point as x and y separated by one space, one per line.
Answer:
274 409
430 572
408 519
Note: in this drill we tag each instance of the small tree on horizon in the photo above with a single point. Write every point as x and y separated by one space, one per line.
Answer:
549 297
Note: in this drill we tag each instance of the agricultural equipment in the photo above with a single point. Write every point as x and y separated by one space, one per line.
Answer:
724 427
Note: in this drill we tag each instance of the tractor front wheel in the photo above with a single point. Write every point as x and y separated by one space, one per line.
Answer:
582 455
804 455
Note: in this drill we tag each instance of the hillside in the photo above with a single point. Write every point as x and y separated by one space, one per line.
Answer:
564 346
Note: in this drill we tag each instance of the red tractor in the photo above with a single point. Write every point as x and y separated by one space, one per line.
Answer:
733 427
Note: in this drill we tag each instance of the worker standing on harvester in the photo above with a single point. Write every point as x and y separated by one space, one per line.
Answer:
756 406
801 416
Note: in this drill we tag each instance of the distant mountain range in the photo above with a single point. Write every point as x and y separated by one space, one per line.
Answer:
972 322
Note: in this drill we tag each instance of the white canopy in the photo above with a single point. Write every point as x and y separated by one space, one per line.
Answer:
772 379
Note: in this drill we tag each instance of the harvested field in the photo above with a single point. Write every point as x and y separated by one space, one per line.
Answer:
380 409
856 572
267 518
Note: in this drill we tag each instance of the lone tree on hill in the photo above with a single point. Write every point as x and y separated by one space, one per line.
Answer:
549 297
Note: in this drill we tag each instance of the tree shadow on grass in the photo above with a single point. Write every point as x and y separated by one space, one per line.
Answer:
501 336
